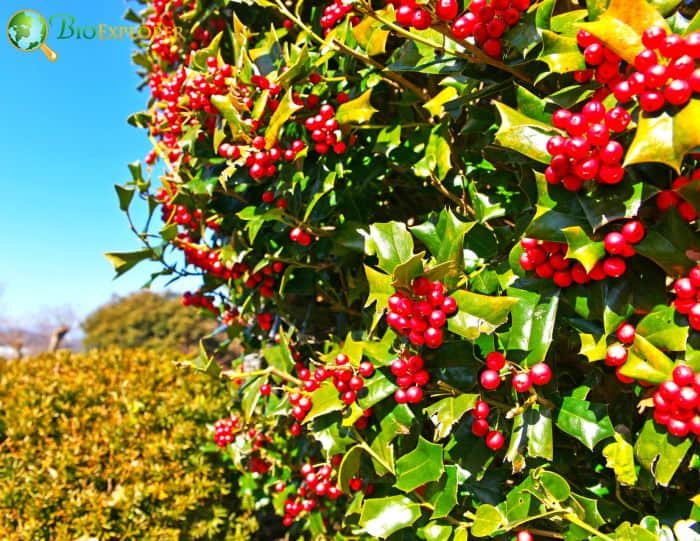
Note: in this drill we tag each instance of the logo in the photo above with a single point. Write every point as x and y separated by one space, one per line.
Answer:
27 31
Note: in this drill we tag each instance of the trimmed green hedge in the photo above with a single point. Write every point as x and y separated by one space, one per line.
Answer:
106 446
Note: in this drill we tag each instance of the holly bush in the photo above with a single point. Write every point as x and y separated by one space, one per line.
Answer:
459 245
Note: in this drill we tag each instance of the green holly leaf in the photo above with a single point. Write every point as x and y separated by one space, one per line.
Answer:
587 422
124 261
659 452
380 289
420 466
446 412
560 53
605 204
381 517
443 495
665 138
324 400
377 388
279 118
531 436
661 328
533 324
523 134
487 521
349 467
646 362
582 248
672 244
619 456
391 243
444 239
479 314
436 160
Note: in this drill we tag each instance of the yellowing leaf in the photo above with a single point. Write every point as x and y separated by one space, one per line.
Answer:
436 106
622 24
371 36
357 111
666 138
284 110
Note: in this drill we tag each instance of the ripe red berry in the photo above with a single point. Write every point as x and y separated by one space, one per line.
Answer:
616 355
414 394
495 440
495 360
446 10
522 382
480 427
541 374
490 380
625 333
421 19
683 375
524 535
633 231
265 389
481 409
433 337
366 369
614 243
614 267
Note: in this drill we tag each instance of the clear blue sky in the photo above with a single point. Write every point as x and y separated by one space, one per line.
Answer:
64 142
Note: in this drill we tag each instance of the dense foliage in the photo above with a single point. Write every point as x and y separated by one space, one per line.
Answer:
146 320
109 446
462 240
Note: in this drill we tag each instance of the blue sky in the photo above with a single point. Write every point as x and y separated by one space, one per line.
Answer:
64 143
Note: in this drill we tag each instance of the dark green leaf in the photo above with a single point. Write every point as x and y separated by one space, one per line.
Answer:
420 466
589 423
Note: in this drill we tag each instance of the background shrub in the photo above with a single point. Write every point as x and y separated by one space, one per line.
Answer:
107 446
145 319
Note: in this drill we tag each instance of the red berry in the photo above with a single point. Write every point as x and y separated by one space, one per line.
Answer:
265 389
414 394
653 37
480 427
481 409
495 360
366 369
694 317
678 92
625 333
521 382
490 380
421 19
433 337
683 375
614 243
616 355
524 535
541 374
614 267
446 10
633 231
495 440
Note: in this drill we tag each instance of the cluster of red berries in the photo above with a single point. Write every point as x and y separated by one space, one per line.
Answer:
324 131
687 301
262 163
411 15
481 429
490 379
620 243
264 279
411 377
486 22
268 197
588 154
264 320
677 403
300 236
317 482
421 314
616 354
665 71
602 63
225 430
334 13
667 199
200 300
547 259
347 380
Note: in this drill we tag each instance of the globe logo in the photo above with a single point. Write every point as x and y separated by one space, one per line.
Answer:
27 31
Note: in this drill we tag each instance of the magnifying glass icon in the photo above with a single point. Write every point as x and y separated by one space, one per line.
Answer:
27 31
